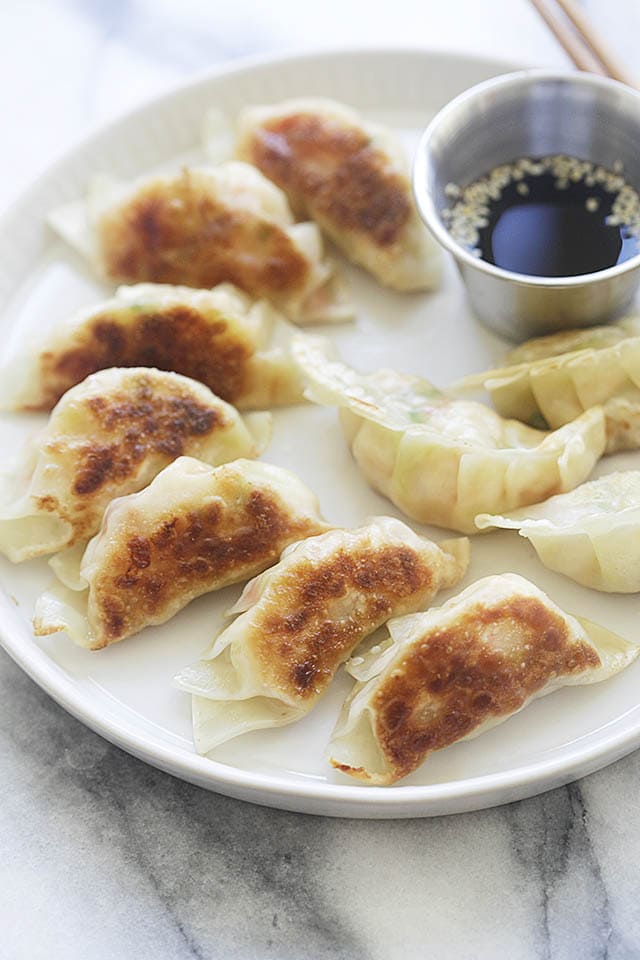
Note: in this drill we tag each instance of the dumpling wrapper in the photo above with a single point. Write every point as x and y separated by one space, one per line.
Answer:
444 461
591 534
568 341
201 227
351 177
302 618
110 436
235 346
193 530
557 390
455 671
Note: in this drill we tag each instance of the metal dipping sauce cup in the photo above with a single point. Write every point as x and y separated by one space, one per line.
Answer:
531 113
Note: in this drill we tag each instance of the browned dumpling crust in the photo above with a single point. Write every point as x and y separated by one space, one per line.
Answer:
220 337
351 177
486 664
300 638
148 563
107 437
334 171
204 226
193 530
133 424
179 231
301 620
452 672
179 338
128 425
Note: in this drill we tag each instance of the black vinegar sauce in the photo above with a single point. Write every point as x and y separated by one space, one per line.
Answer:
546 225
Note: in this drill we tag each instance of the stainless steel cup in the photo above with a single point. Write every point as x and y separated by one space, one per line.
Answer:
531 113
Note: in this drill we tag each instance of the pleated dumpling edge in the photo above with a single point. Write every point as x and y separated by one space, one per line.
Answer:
590 534
440 460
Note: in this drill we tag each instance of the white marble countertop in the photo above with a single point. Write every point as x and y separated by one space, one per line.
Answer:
104 857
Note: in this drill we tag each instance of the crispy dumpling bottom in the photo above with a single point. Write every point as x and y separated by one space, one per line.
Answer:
351 177
301 619
193 530
107 437
237 347
453 672
203 226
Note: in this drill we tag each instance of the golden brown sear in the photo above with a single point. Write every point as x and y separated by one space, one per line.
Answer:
178 232
224 541
133 425
334 172
177 338
487 664
148 418
330 607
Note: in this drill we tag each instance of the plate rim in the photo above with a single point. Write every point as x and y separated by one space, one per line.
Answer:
318 797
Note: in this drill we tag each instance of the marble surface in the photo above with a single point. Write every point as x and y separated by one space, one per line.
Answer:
104 857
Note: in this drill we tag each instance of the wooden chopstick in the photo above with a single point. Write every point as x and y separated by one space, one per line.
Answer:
585 28
576 34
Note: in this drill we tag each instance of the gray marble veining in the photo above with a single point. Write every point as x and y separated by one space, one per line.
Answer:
104 857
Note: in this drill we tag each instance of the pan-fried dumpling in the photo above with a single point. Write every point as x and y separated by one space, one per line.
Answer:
438 459
556 390
568 341
110 436
201 227
300 620
458 670
219 337
352 178
194 529
591 534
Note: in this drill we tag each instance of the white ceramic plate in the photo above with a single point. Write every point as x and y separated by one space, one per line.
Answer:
125 692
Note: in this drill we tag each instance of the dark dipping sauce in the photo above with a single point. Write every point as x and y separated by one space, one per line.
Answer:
544 225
